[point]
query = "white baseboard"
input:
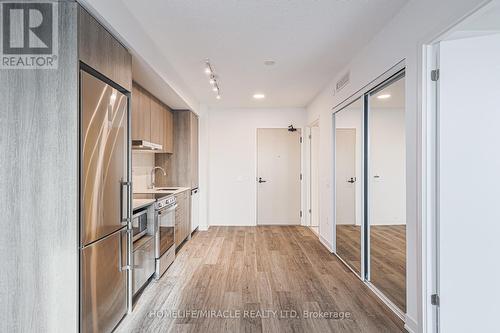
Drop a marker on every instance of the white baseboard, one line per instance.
(314, 231)
(410, 324)
(203, 228)
(326, 243)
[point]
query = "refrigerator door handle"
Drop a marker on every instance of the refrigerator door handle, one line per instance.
(125, 202)
(122, 267)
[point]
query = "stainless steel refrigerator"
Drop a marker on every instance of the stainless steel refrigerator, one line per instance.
(104, 204)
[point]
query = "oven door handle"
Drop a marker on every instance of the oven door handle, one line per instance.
(164, 211)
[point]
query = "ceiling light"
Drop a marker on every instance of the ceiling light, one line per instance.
(384, 96)
(269, 62)
(259, 96)
(209, 69)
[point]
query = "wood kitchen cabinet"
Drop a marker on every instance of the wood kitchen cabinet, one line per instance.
(102, 51)
(141, 114)
(169, 130)
(183, 163)
(182, 217)
(157, 122)
(152, 120)
(193, 118)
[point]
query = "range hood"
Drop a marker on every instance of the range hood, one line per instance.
(145, 145)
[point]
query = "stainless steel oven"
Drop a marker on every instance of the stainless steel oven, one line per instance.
(164, 234)
(139, 224)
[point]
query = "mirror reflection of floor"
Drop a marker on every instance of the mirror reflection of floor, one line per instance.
(348, 245)
(388, 257)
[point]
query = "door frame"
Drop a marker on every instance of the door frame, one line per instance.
(303, 195)
(428, 91)
(307, 179)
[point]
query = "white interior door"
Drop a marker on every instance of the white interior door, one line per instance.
(314, 176)
(278, 176)
(345, 164)
(469, 184)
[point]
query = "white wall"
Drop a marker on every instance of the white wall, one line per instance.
(232, 136)
(418, 22)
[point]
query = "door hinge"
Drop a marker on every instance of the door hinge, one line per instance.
(435, 75)
(300, 176)
(310, 211)
(300, 214)
(310, 136)
(300, 139)
(435, 299)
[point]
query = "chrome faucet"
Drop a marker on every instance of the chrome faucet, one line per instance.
(152, 185)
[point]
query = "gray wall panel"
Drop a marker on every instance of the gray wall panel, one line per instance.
(39, 191)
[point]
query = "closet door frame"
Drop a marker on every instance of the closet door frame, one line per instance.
(395, 73)
(367, 198)
(361, 275)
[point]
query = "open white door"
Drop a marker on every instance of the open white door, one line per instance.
(314, 178)
(278, 176)
(468, 183)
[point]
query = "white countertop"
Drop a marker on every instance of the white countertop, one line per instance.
(171, 190)
(140, 203)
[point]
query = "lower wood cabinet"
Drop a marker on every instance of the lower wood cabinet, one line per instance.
(182, 217)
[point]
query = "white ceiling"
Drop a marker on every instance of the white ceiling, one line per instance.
(485, 21)
(309, 40)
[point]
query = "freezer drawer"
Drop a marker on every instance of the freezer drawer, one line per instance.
(103, 283)
(144, 264)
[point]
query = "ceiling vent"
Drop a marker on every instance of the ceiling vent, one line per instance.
(344, 81)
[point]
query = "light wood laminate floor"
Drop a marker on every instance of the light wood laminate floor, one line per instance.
(237, 271)
(388, 257)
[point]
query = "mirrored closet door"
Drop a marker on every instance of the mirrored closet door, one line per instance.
(387, 190)
(348, 190)
(370, 187)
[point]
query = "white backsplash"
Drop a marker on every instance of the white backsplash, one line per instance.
(142, 163)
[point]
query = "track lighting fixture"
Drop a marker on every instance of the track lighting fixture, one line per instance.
(209, 70)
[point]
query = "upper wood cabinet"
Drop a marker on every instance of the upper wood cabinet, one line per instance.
(157, 123)
(152, 120)
(101, 51)
(141, 114)
(168, 147)
(183, 163)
